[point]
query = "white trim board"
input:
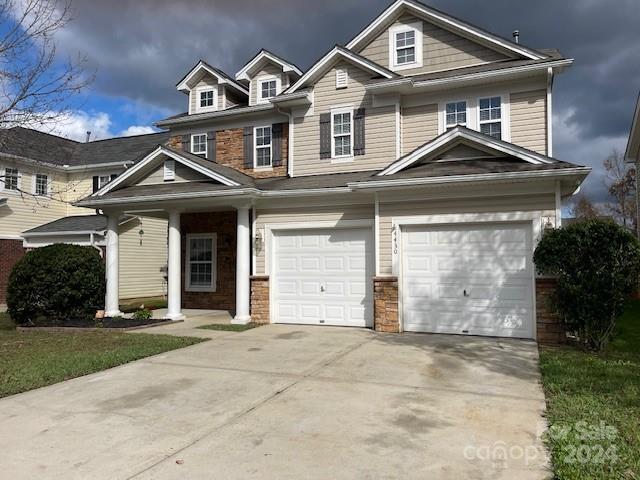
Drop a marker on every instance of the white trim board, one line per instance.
(286, 66)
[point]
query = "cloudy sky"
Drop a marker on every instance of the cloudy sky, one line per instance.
(141, 48)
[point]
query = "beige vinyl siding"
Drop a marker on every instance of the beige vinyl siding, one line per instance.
(268, 70)
(80, 185)
(307, 215)
(140, 264)
(419, 125)
(380, 126)
(529, 120)
(183, 174)
(24, 211)
(539, 202)
(441, 49)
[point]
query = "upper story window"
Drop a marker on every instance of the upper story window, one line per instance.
(405, 46)
(263, 155)
(199, 144)
(206, 99)
(267, 88)
(103, 180)
(490, 118)
(11, 179)
(40, 184)
(455, 114)
(341, 133)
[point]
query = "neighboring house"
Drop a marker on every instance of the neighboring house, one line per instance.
(42, 174)
(400, 183)
(632, 155)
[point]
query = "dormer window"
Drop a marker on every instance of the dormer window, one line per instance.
(405, 46)
(268, 88)
(206, 99)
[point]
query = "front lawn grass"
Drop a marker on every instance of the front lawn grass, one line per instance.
(31, 360)
(228, 327)
(602, 390)
(5, 322)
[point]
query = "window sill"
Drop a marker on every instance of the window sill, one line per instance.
(405, 66)
(263, 169)
(204, 110)
(338, 160)
(200, 290)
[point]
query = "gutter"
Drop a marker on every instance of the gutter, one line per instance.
(201, 117)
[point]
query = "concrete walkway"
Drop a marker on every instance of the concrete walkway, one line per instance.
(290, 402)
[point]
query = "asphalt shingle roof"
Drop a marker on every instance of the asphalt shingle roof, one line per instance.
(76, 223)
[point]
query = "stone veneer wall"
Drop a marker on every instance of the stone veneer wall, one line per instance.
(385, 304)
(224, 225)
(10, 252)
(260, 299)
(549, 330)
(230, 151)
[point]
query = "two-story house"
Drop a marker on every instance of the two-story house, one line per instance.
(41, 175)
(400, 183)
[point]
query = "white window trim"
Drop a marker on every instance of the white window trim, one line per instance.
(255, 150)
(481, 122)
(341, 158)
(205, 153)
(214, 261)
(263, 79)
(473, 113)
(33, 184)
(417, 28)
(205, 88)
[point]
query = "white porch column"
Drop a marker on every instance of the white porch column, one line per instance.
(112, 296)
(174, 288)
(243, 255)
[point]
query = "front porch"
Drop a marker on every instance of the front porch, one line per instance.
(208, 262)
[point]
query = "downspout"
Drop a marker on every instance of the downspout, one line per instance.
(93, 244)
(549, 112)
(289, 141)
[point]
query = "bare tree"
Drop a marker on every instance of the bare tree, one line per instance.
(621, 184)
(583, 208)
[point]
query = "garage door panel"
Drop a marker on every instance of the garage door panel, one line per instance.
(481, 283)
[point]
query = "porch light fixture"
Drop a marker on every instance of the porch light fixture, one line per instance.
(258, 240)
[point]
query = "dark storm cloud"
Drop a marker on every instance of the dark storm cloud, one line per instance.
(143, 47)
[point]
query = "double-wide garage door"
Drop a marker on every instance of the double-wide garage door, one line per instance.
(323, 277)
(468, 279)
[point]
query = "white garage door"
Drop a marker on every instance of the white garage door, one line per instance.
(471, 279)
(324, 277)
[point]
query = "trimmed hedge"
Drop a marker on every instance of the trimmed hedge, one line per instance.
(54, 283)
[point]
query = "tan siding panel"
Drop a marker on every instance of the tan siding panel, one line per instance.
(308, 215)
(442, 49)
(388, 211)
(529, 120)
(183, 174)
(419, 125)
(380, 125)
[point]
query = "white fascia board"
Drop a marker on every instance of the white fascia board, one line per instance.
(328, 58)
(469, 77)
(443, 19)
(243, 74)
(152, 156)
(471, 136)
(483, 177)
(632, 152)
(183, 85)
(207, 116)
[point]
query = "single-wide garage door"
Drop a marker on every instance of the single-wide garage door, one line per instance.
(470, 279)
(324, 277)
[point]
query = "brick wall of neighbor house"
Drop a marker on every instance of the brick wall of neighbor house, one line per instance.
(224, 225)
(260, 299)
(230, 151)
(549, 329)
(10, 252)
(385, 304)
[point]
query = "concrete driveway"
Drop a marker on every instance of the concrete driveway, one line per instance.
(290, 402)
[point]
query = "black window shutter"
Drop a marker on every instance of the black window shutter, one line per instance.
(358, 131)
(211, 146)
(248, 147)
(186, 143)
(276, 144)
(95, 184)
(113, 177)
(325, 135)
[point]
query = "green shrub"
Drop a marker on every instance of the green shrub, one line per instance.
(54, 283)
(597, 264)
(142, 315)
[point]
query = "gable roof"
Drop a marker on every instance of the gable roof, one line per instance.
(321, 66)
(632, 152)
(48, 149)
(224, 175)
(453, 137)
(222, 77)
(442, 19)
(246, 71)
